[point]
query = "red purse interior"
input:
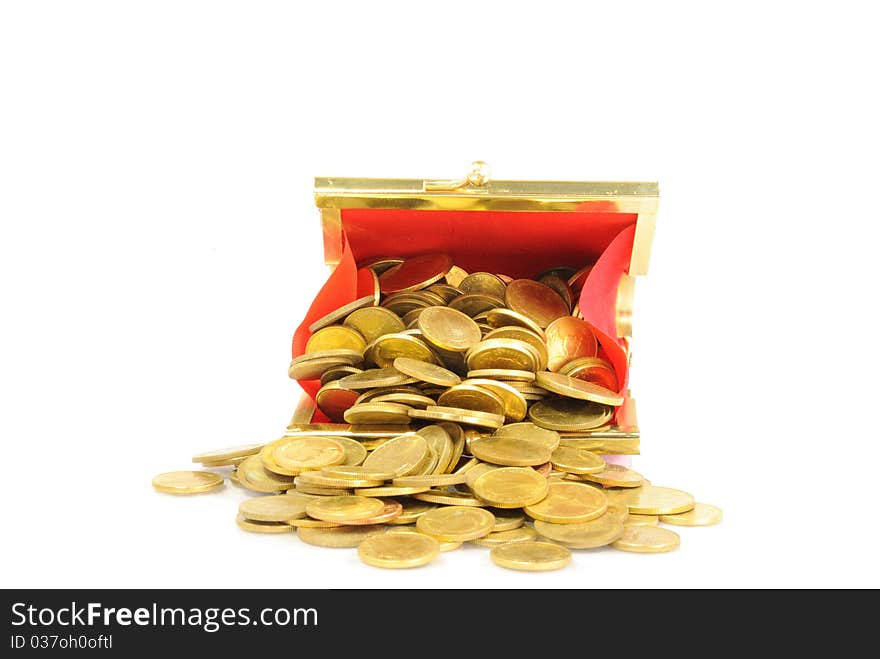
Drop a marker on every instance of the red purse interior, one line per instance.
(515, 243)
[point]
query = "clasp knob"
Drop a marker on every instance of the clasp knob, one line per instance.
(477, 176)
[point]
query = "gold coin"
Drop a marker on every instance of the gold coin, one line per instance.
(411, 529)
(408, 399)
(467, 466)
(333, 400)
(528, 388)
(515, 406)
(615, 476)
(473, 304)
(373, 322)
(342, 355)
(456, 523)
(415, 273)
(278, 508)
(616, 508)
(318, 479)
(412, 510)
(373, 444)
(509, 451)
(401, 456)
(426, 372)
(404, 304)
(472, 397)
(456, 434)
(449, 498)
(526, 336)
(559, 285)
(398, 550)
(502, 317)
(440, 445)
(255, 526)
(335, 337)
(344, 508)
(375, 377)
(371, 394)
(529, 432)
(355, 452)
(369, 413)
(311, 367)
(296, 454)
(339, 314)
(532, 556)
(566, 414)
(521, 534)
(391, 511)
(433, 299)
(432, 391)
(507, 520)
(410, 318)
(592, 369)
(253, 475)
(429, 480)
(446, 291)
(357, 432)
(374, 280)
(576, 280)
(381, 264)
(570, 387)
(508, 354)
(569, 338)
(545, 469)
(384, 350)
(267, 456)
(576, 461)
(232, 462)
(563, 271)
(223, 455)
(647, 540)
(458, 415)
(187, 482)
(337, 536)
(449, 329)
(502, 374)
(511, 487)
(392, 490)
(308, 522)
(318, 490)
(597, 532)
(478, 470)
(455, 276)
(584, 443)
(655, 500)
(569, 503)
(484, 283)
(355, 472)
(702, 514)
(535, 301)
(642, 520)
(372, 436)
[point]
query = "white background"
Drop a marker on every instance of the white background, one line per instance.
(160, 244)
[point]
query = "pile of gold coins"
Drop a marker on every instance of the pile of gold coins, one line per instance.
(464, 408)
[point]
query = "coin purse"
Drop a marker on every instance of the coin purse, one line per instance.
(516, 228)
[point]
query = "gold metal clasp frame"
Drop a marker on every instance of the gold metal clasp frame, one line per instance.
(477, 176)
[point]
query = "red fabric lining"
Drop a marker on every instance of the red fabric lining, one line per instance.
(519, 244)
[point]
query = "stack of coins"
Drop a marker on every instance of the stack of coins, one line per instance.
(465, 408)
